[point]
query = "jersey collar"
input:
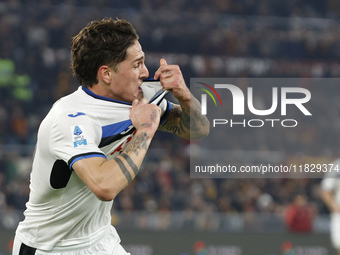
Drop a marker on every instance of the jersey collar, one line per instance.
(90, 93)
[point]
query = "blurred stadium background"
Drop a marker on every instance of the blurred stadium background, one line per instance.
(165, 211)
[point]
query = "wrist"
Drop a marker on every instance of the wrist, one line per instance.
(184, 99)
(149, 128)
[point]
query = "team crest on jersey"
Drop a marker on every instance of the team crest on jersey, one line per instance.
(78, 134)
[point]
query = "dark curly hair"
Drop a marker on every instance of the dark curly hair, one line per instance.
(101, 42)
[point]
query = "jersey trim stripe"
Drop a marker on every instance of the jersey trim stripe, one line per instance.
(166, 113)
(114, 132)
(158, 97)
(116, 128)
(84, 155)
(89, 92)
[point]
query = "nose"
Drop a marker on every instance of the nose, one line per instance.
(144, 72)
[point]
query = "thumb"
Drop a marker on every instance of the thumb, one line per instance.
(163, 62)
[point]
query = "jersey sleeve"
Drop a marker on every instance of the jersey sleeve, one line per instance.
(165, 108)
(73, 137)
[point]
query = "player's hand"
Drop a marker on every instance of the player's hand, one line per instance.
(172, 79)
(145, 115)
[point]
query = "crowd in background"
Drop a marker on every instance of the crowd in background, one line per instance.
(295, 38)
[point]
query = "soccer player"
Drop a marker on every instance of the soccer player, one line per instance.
(92, 142)
(330, 193)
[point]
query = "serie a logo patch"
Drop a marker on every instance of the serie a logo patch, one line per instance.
(78, 134)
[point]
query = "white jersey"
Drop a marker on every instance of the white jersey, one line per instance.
(62, 210)
(331, 180)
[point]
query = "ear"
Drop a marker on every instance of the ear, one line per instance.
(105, 74)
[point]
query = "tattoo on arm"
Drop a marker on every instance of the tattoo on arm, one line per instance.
(146, 125)
(197, 117)
(124, 169)
(182, 126)
(169, 126)
(130, 162)
(153, 119)
(188, 121)
(153, 116)
(185, 120)
(140, 141)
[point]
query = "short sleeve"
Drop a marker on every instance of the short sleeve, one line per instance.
(75, 136)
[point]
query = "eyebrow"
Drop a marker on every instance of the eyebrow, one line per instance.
(139, 59)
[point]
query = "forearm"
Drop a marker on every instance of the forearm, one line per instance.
(185, 120)
(131, 158)
(196, 124)
(106, 178)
